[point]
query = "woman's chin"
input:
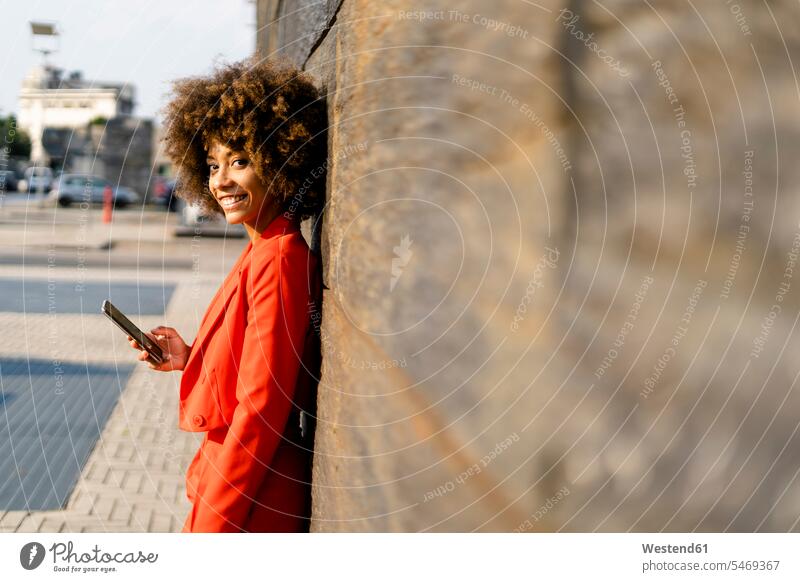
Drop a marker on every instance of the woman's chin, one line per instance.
(234, 217)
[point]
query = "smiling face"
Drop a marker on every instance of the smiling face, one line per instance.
(238, 190)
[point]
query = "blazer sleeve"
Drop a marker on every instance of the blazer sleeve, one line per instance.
(277, 321)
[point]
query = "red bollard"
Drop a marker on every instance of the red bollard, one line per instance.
(108, 204)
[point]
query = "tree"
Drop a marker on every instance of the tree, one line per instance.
(16, 140)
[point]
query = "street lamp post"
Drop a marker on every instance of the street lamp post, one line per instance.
(44, 40)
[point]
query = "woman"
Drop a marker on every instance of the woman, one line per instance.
(248, 141)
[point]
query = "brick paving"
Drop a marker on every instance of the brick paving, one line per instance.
(133, 481)
(134, 478)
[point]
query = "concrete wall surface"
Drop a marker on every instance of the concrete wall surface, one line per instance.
(559, 249)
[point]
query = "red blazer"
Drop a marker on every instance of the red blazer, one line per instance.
(250, 366)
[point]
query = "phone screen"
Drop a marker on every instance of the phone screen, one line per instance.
(128, 327)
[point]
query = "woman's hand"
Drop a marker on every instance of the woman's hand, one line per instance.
(175, 350)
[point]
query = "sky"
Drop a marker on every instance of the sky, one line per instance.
(145, 43)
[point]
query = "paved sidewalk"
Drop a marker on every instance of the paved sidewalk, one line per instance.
(134, 477)
(133, 480)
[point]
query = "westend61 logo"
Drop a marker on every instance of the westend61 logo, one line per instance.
(65, 559)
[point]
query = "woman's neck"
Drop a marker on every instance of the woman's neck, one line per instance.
(265, 218)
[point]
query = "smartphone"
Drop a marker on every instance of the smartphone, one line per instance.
(126, 325)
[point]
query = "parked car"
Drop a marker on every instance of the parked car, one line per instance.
(77, 188)
(194, 221)
(164, 193)
(37, 179)
(8, 181)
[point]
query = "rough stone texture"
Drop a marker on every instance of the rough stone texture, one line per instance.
(302, 22)
(475, 380)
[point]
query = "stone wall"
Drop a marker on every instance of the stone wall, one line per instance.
(559, 254)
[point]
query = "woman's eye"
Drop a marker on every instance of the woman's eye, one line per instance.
(212, 167)
(240, 162)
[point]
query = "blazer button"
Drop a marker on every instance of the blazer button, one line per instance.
(199, 420)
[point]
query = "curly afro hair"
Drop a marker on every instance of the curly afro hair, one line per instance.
(266, 108)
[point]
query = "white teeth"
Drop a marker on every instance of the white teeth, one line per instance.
(231, 200)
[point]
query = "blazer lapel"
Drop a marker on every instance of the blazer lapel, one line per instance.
(218, 306)
(220, 301)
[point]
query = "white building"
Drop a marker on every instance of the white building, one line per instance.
(48, 99)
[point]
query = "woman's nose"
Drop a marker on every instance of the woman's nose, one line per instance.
(221, 178)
